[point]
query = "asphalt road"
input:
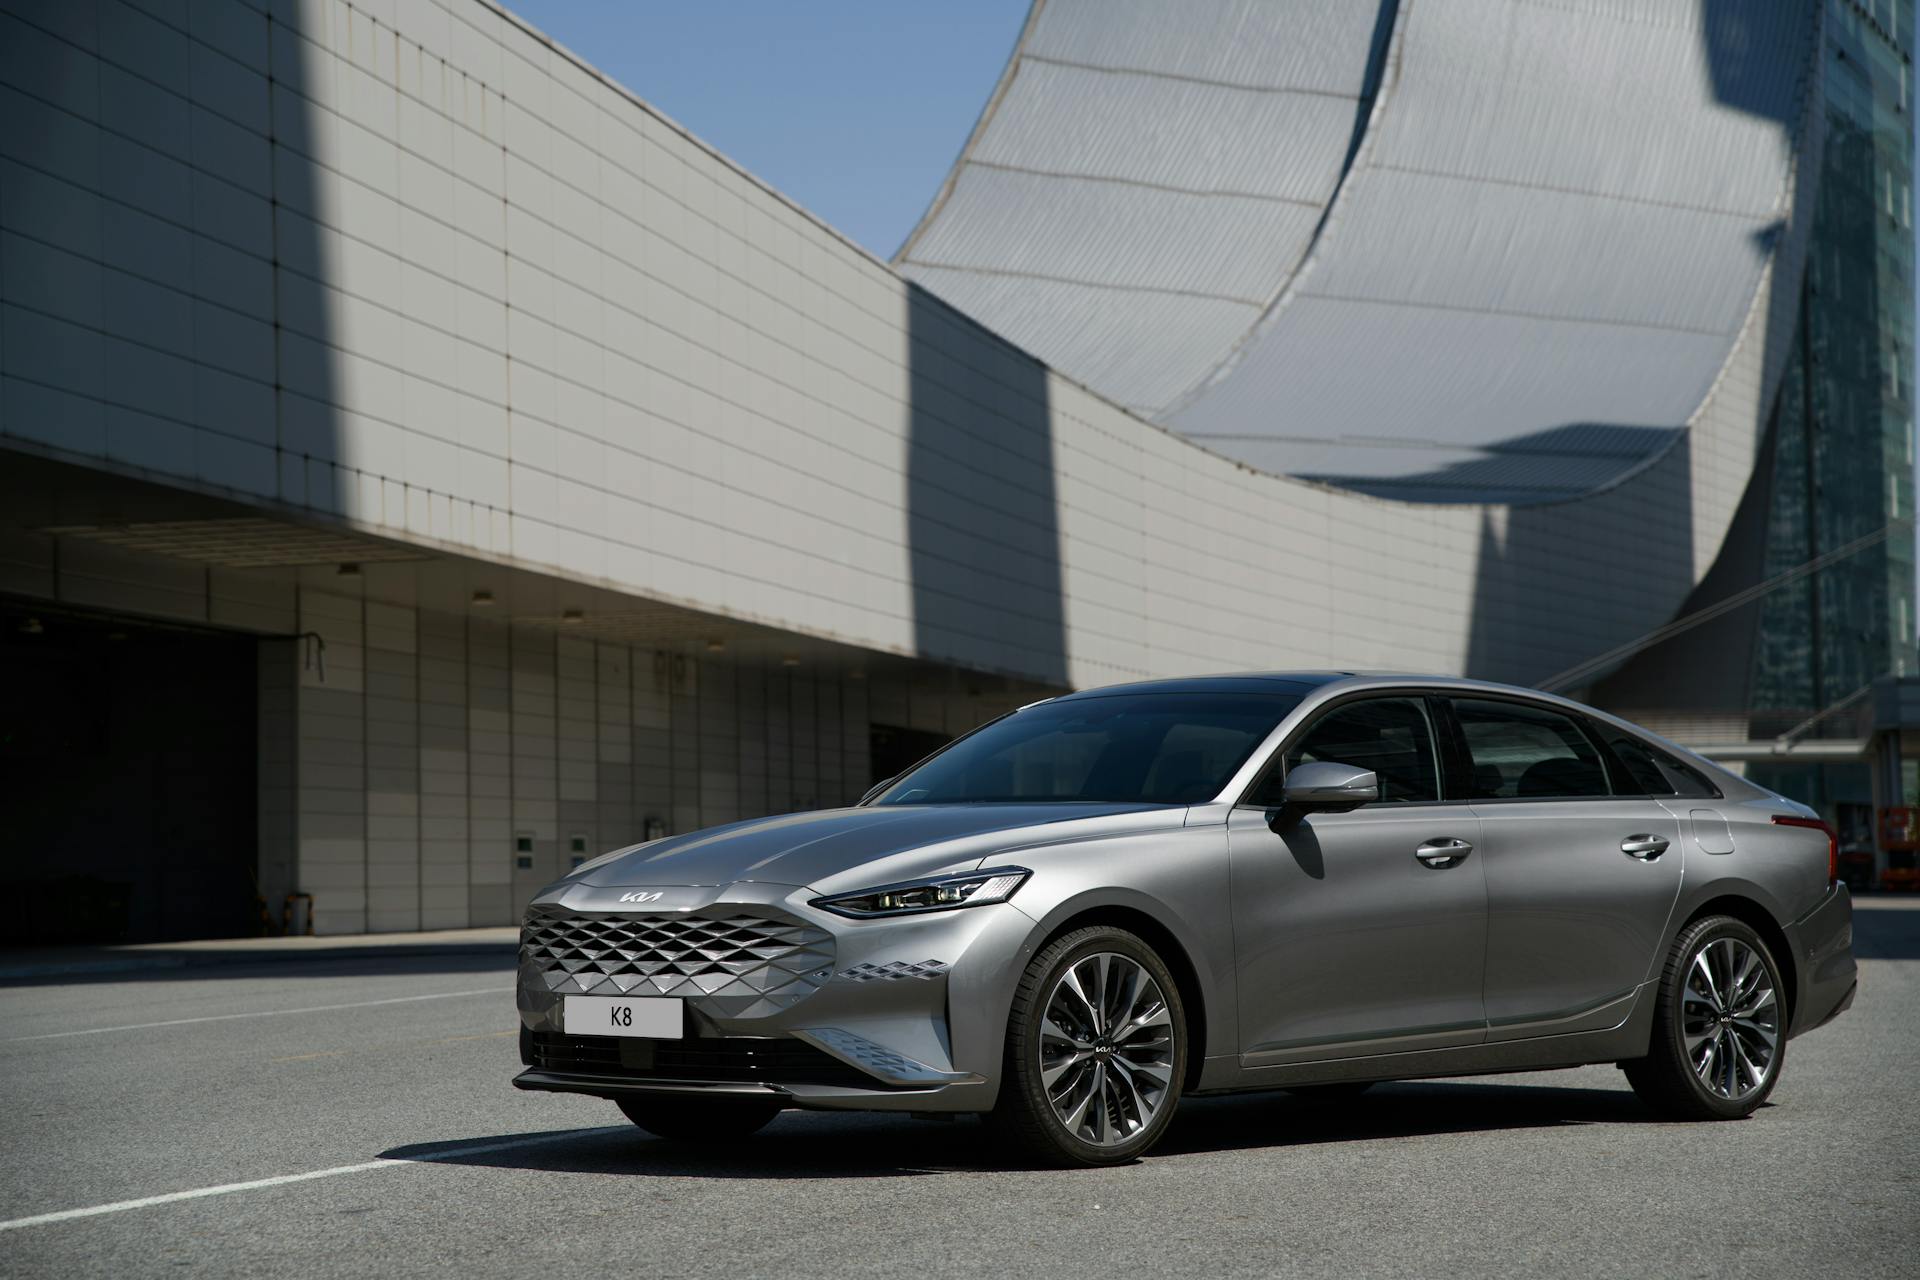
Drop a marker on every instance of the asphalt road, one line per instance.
(385, 1079)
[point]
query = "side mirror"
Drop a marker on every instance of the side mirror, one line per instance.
(1327, 786)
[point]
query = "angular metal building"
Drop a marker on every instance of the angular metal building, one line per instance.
(1533, 265)
(1632, 280)
(423, 464)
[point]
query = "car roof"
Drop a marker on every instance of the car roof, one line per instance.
(1304, 682)
(1316, 687)
(1232, 682)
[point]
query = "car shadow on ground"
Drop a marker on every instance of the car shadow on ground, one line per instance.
(871, 1145)
(1408, 1110)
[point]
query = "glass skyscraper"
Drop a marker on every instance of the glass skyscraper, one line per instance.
(1842, 471)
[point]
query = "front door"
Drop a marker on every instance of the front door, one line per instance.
(1349, 939)
(1581, 874)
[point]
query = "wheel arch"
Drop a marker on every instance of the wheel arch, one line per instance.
(1167, 945)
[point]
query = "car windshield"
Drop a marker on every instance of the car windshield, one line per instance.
(1146, 748)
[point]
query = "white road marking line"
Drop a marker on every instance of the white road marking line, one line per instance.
(262, 1013)
(121, 1206)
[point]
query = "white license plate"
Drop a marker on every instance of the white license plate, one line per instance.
(654, 1017)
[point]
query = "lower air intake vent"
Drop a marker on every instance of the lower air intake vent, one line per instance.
(728, 1061)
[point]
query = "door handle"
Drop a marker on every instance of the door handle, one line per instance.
(1444, 852)
(1644, 847)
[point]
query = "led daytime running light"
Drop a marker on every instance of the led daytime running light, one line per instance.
(940, 893)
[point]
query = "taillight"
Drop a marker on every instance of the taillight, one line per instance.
(1833, 840)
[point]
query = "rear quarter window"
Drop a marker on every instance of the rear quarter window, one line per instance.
(1654, 771)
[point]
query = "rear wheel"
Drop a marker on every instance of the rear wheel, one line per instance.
(1096, 1051)
(698, 1119)
(1719, 1026)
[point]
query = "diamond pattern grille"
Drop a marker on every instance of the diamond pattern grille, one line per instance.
(739, 966)
(925, 970)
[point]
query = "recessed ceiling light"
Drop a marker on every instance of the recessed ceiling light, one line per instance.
(716, 645)
(789, 661)
(573, 615)
(483, 597)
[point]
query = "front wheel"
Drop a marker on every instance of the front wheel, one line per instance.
(697, 1119)
(1096, 1051)
(1719, 1026)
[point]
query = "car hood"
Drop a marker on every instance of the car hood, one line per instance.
(842, 849)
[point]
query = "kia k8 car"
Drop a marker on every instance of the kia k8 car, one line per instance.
(1081, 912)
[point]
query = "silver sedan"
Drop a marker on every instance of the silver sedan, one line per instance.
(1078, 913)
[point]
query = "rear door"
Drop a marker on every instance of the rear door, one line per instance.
(1347, 941)
(1582, 868)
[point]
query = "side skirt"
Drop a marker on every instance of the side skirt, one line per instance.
(1618, 1043)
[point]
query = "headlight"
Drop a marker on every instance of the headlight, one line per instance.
(941, 893)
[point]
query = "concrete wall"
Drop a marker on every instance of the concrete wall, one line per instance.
(449, 768)
(409, 268)
(400, 767)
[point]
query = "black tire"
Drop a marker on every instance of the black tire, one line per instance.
(698, 1119)
(1667, 1078)
(1333, 1091)
(1025, 1119)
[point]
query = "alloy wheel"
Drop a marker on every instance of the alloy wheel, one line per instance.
(1730, 1018)
(1106, 1048)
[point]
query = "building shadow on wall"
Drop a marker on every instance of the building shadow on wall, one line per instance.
(1708, 667)
(173, 155)
(1549, 559)
(1543, 560)
(1377, 49)
(161, 184)
(1553, 465)
(1752, 56)
(982, 507)
(314, 463)
(1539, 577)
(311, 452)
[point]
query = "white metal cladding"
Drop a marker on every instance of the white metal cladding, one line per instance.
(458, 292)
(1139, 156)
(1119, 236)
(1139, 355)
(1533, 276)
(1301, 46)
(1059, 118)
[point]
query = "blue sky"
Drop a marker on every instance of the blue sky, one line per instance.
(853, 108)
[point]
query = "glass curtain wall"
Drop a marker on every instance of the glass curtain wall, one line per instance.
(1843, 461)
(1843, 448)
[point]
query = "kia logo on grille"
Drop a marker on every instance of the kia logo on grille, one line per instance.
(642, 896)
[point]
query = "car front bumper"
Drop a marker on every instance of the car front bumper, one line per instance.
(899, 1013)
